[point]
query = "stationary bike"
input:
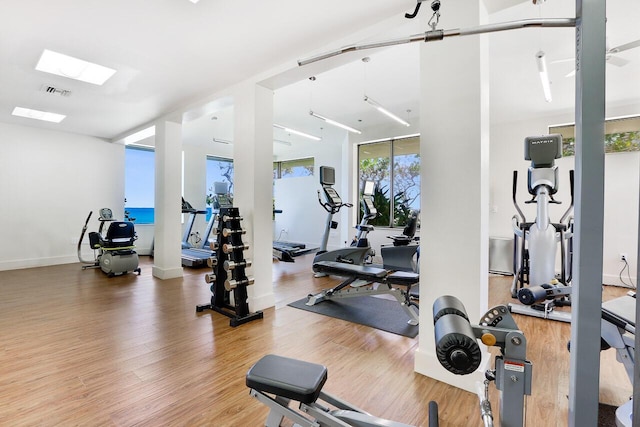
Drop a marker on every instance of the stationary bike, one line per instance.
(114, 252)
(536, 243)
(359, 249)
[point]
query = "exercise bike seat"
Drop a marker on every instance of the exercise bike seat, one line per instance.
(290, 378)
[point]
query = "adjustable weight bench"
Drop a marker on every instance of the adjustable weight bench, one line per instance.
(299, 381)
(377, 281)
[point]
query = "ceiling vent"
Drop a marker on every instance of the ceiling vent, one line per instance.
(55, 91)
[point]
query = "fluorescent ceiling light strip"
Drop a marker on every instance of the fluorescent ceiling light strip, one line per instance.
(73, 68)
(140, 135)
(334, 123)
(296, 132)
(38, 115)
(385, 111)
(413, 135)
(544, 75)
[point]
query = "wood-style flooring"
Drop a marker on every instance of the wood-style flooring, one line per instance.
(81, 349)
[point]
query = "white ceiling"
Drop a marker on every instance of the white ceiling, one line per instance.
(170, 53)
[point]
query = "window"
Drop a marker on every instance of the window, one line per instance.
(621, 135)
(394, 167)
(218, 170)
(293, 168)
(139, 185)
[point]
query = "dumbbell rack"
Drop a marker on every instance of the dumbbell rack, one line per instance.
(229, 271)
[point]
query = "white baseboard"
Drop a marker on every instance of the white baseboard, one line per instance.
(262, 302)
(37, 262)
(169, 273)
(614, 280)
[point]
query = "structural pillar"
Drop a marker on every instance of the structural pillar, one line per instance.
(253, 184)
(167, 263)
(586, 298)
(454, 153)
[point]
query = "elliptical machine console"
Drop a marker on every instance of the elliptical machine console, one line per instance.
(360, 249)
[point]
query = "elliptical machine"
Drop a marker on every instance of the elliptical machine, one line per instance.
(359, 249)
(535, 243)
(114, 253)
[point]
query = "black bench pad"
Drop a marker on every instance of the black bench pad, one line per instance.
(343, 269)
(366, 272)
(291, 378)
(405, 278)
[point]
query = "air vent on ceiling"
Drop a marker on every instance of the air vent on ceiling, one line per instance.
(55, 91)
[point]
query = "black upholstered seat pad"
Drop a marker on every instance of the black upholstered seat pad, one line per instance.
(290, 378)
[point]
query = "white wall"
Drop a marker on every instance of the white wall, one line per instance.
(621, 189)
(302, 216)
(49, 181)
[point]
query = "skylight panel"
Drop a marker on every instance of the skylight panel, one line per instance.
(73, 68)
(38, 115)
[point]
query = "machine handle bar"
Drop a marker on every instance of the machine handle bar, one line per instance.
(513, 193)
(332, 209)
(570, 208)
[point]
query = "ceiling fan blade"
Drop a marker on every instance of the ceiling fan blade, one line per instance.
(619, 62)
(625, 46)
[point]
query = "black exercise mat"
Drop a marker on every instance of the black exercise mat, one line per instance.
(606, 415)
(386, 315)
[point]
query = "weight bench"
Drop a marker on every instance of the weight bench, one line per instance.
(299, 381)
(618, 331)
(364, 280)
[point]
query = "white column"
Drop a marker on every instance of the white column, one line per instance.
(454, 152)
(253, 185)
(167, 262)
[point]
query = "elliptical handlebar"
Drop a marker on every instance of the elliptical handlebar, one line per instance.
(515, 202)
(332, 208)
(570, 208)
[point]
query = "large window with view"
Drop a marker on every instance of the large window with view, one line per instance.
(293, 168)
(621, 135)
(218, 170)
(394, 166)
(139, 184)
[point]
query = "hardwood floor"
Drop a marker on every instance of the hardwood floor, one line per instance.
(82, 349)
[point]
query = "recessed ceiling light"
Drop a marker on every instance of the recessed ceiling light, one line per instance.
(38, 115)
(73, 68)
(194, 1)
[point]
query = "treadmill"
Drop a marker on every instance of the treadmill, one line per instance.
(196, 256)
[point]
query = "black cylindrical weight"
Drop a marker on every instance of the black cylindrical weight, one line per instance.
(448, 304)
(226, 232)
(532, 294)
(456, 346)
(230, 265)
(212, 262)
(232, 284)
(213, 245)
(210, 278)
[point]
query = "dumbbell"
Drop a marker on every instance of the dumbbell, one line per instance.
(227, 248)
(226, 232)
(232, 284)
(230, 265)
